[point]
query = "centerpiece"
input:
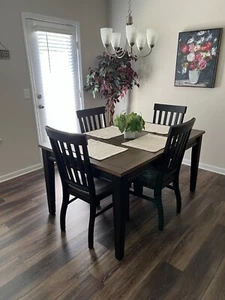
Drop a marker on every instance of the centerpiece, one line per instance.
(129, 124)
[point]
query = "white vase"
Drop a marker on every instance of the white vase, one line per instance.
(128, 135)
(194, 76)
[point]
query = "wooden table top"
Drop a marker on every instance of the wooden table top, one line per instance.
(128, 161)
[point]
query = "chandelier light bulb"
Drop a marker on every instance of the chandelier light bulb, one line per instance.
(106, 36)
(151, 38)
(115, 40)
(131, 34)
(141, 41)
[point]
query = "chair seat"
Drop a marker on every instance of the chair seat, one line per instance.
(149, 177)
(103, 187)
(155, 175)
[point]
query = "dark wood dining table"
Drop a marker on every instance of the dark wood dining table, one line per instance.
(120, 169)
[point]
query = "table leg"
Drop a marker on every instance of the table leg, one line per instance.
(195, 154)
(49, 172)
(120, 198)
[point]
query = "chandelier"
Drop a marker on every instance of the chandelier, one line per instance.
(133, 37)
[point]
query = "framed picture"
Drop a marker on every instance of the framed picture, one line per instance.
(197, 58)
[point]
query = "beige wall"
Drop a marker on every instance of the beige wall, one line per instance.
(19, 146)
(157, 70)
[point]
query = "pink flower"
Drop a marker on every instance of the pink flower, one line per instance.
(202, 64)
(192, 48)
(192, 66)
(184, 48)
(198, 57)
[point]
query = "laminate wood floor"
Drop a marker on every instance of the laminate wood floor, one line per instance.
(185, 261)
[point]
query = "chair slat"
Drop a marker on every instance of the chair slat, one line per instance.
(73, 164)
(66, 162)
(165, 118)
(90, 123)
(86, 128)
(94, 122)
(176, 118)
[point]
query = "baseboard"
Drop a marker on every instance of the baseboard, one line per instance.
(205, 167)
(20, 172)
(39, 166)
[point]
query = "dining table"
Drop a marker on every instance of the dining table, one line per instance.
(121, 169)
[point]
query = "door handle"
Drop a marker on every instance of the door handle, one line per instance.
(41, 106)
(39, 96)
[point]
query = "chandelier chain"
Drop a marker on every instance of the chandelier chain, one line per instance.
(129, 7)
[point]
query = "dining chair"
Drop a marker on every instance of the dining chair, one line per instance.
(166, 114)
(72, 158)
(91, 118)
(167, 169)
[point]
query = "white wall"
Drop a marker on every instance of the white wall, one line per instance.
(157, 71)
(19, 146)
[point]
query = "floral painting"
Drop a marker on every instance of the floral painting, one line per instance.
(197, 58)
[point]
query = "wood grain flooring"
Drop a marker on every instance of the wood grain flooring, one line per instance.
(185, 261)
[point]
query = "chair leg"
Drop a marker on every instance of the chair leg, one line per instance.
(158, 200)
(65, 203)
(91, 226)
(177, 193)
(138, 188)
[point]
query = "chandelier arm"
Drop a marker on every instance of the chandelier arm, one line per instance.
(120, 56)
(147, 54)
(116, 53)
(108, 53)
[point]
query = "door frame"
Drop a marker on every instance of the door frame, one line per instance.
(38, 17)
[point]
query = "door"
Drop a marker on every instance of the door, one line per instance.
(55, 68)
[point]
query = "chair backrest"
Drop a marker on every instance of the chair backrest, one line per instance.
(166, 114)
(91, 118)
(71, 154)
(176, 145)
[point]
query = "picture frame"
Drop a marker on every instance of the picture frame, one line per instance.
(197, 58)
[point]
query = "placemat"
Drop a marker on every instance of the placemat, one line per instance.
(149, 142)
(156, 128)
(100, 150)
(105, 133)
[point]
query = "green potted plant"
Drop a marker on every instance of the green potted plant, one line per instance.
(129, 124)
(112, 78)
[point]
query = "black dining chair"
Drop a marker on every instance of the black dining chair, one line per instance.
(166, 114)
(91, 118)
(71, 154)
(167, 169)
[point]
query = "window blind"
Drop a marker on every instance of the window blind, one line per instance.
(60, 88)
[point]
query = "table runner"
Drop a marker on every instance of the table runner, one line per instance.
(156, 128)
(149, 142)
(105, 133)
(100, 150)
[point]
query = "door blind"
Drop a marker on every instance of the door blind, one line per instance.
(58, 75)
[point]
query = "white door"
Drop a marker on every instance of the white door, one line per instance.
(55, 69)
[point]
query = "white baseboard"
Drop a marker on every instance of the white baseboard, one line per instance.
(20, 172)
(39, 166)
(205, 167)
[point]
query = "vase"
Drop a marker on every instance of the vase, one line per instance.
(194, 76)
(129, 135)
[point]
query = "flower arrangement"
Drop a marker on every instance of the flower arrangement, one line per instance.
(198, 51)
(112, 79)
